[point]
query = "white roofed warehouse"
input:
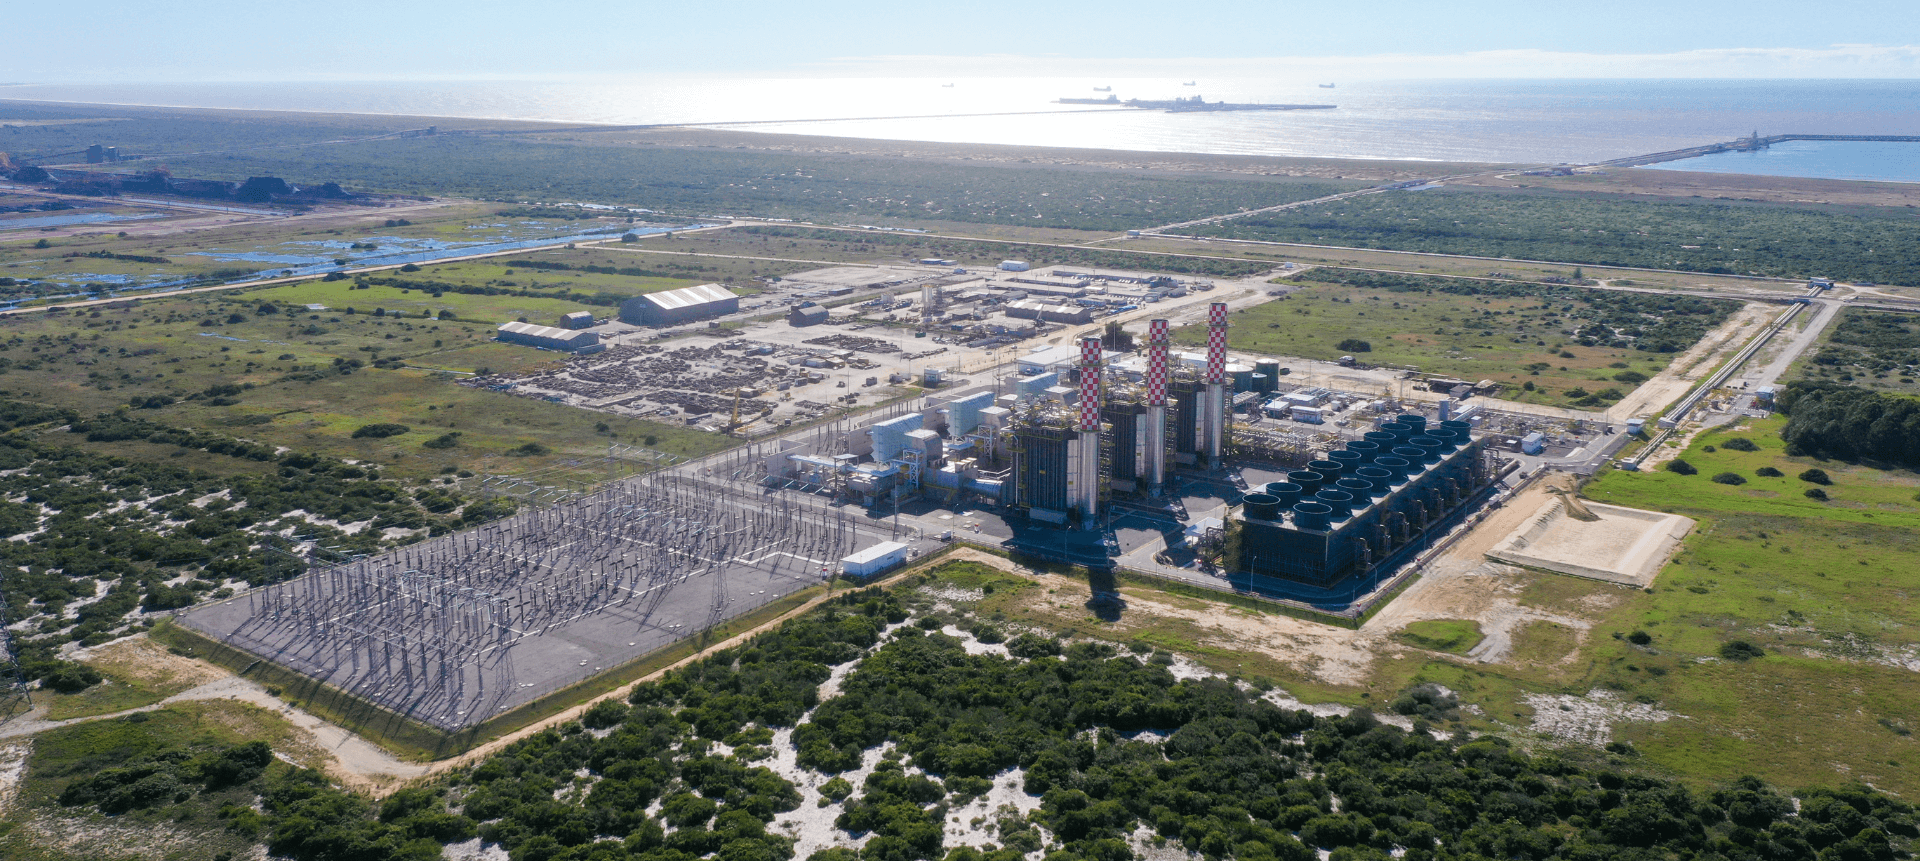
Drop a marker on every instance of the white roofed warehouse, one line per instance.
(550, 338)
(669, 307)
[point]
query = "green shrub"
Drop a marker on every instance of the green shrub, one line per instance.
(1816, 493)
(1740, 443)
(1354, 345)
(1033, 646)
(379, 430)
(1729, 478)
(1682, 467)
(1817, 476)
(1740, 650)
(71, 678)
(1768, 472)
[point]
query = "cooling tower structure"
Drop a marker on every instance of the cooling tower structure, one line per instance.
(1085, 489)
(1214, 415)
(1154, 430)
(1358, 509)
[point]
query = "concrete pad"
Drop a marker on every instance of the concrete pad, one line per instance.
(1625, 545)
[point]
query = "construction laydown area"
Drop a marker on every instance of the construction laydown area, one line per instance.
(1589, 539)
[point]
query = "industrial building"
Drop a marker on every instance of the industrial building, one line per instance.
(671, 307)
(874, 560)
(808, 314)
(577, 320)
(550, 338)
(1049, 312)
(1375, 502)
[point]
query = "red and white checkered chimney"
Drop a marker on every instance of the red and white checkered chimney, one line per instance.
(1089, 384)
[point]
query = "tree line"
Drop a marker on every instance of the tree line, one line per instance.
(1832, 420)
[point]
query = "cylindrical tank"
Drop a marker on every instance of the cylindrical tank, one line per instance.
(1339, 500)
(1448, 439)
(1464, 429)
(1380, 438)
(1286, 491)
(1271, 369)
(1366, 449)
(1262, 382)
(1262, 506)
(1243, 380)
(1414, 455)
(1308, 481)
(1395, 464)
(1429, 445)
(1417, 422)
(1381, 477)
(1312, 515)
(1348, 460)
(1399, 432)
(1329, 468)
(1361, 489)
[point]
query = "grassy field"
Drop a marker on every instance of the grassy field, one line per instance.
(1734, 238)
(1515, 340)
(1822, 588)
(98, 360)
(137, 672)
(191, 830)
(1442, 635)
(862, 246)
(1866, 348)
(1435, 264)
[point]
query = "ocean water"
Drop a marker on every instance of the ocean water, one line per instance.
(1539, 121)
(1870, 160)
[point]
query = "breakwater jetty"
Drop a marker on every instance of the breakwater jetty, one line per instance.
(1750, 143)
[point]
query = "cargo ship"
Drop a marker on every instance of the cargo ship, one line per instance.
(1110, 100)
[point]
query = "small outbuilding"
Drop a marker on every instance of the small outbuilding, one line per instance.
(807, 315)
(874, 560)
(577, 320)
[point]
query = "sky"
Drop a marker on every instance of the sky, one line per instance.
(223, 40)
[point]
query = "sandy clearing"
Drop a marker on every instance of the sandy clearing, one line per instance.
(13, 767)
(1697, 362)
(1587, 720)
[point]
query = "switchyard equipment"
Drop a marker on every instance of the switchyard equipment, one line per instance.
(1374, 503)
(457, 629)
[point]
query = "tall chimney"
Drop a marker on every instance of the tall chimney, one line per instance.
(1153, 436)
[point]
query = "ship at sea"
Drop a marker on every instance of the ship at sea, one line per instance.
(1326, 86)
(1191, 104)
(1103, 89)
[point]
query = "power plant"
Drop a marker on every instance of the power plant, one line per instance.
(1059, 445)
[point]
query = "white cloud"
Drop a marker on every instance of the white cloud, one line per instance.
(1838, 61)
